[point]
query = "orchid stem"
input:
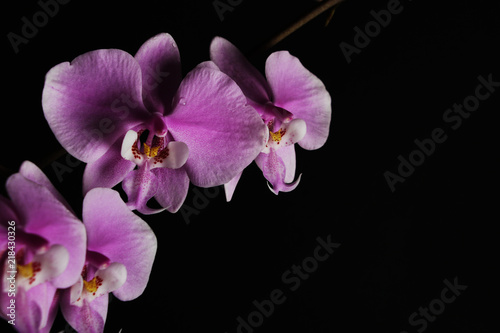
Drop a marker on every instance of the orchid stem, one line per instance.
(324, 6)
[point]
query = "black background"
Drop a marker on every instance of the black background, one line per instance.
(397, 247)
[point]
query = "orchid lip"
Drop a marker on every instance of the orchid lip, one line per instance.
(42, 267)
(102, 282)
(287, 134)
(157, 151)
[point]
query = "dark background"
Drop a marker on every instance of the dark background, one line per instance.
(397, 247)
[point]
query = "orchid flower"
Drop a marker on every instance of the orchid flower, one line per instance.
(133, 119)
(121, 249)
(42, 248)
(293, 103)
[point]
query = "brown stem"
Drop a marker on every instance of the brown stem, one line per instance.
(324, 6)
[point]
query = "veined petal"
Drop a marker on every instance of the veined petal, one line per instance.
(224, 134)
(233, 63)
(93, 100)
(161, 72)
(116, 232)
(173, 185)
(287, 155)
(43, 215)
(274, 170)
(140, 186)
(108, 170)
(87, 318)
(32, 172)
(299, 91)
(36, 309)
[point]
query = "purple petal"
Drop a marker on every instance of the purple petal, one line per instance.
(114, 231)
(108, 170)
(92, 101)
(43, 215)
(7, 214)
(287, 155)
(223, 133)
(87, 318)
(173, 185)
(275, 170)
(232, 62)
(30, 171)
(161, 72)
(230, 186)
(303, 94)
(36, 309)
(140, 185)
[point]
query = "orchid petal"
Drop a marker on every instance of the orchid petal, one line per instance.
(108, 170)
(92, 101)
(32, 172)
(176, 155)
(75, 291)
(274, 170)
(230, 186)
(224, 134)
(127, 148)
(44, 267)
(43, 215)
(208, 64)
(173, 185)
(232, 62)
(87, 318)
(7, 214)
(299, 91)
(36, 309)
(140, 185)
(116, 232)
(161, 72)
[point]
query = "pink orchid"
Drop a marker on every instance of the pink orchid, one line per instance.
(133, 119)
(121, 249)
(294, 104)
(42, 248)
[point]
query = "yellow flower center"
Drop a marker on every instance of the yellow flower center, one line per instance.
(25, 270)
(276, 136)
(151, 152)
(92, 285)
(29, 271)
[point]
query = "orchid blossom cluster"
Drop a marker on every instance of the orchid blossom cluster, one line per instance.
(136, 121)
